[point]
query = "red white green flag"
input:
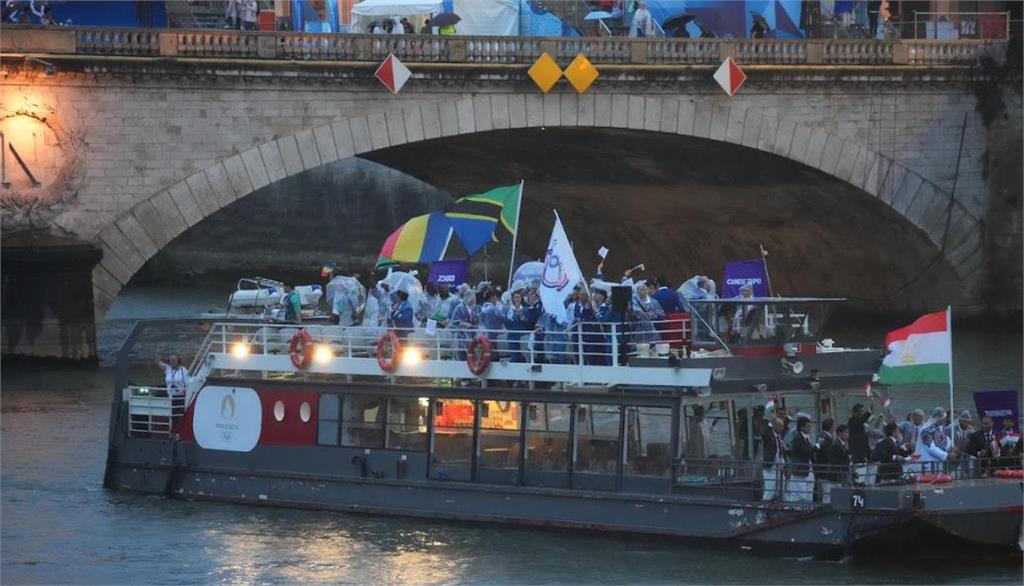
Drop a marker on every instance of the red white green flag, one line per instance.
(919, 353)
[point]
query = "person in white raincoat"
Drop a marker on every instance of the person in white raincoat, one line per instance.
(645, 310)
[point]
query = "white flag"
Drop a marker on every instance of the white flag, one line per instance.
(561, 273)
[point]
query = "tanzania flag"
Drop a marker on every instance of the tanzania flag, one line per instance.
(328, 269)
(920, 352)
(420, 240)
(485, 217)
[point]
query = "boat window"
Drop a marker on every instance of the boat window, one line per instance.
(597, 438)
(279, 411)
(648, 441)
(453, 439)
(327, 426)
(362, 422)
(499, 434)
(305, 412)
(547, 436)
(706, 430)
(407, 423)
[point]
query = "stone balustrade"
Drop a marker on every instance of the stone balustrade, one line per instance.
(486, 50)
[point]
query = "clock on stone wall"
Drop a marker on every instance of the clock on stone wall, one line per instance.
(40, 168)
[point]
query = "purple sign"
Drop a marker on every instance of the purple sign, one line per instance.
(741, 272)
(449, 272)
(997, 405)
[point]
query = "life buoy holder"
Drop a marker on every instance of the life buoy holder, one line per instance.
(929, 478)
(298, 349)
(1010, 474)
(478, 366)
(389, 364)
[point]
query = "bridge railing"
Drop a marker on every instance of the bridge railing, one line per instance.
(209, 43)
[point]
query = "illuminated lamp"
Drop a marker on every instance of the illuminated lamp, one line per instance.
(240, 350)
(322, 354)
(411, 356)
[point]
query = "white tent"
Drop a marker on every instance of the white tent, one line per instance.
(368, 10)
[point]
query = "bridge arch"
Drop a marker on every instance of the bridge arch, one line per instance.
(138, 234)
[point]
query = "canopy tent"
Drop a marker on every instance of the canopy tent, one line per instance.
(368, 10)
(487, 17)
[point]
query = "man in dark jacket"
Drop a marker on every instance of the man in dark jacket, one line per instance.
(825, 441)
(982, 445)
(860, 449)
(890, 454)
(839, 459)
(801, 487)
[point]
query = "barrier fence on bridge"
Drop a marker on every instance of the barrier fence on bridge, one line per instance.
(487, 50)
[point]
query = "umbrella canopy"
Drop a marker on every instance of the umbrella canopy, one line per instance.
(598, 15)
(677, 21)
(396, 7)
(530, 272)
(402, 281)
(446, 19)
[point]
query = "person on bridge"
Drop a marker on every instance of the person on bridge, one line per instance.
(643, 22)
(247, 10)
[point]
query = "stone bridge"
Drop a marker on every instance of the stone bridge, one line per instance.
(134, 137)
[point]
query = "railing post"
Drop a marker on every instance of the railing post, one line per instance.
(726, 49)
(266, 46)
(638, 51)
(815, 52)
(168, 44)
(615, 345)
(901, 54)
(457, 50)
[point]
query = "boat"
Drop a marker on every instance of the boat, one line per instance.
(592, 434)
(262, 298)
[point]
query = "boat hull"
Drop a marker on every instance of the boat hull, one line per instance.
(308, 478)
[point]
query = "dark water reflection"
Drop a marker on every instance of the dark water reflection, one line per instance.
(59, 525)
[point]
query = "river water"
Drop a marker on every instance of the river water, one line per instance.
(59, 525)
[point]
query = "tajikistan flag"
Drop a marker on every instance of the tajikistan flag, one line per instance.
(920, 352)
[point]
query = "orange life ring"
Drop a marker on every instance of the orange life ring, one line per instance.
(1013, 474)
(933, 478)
(478, 367)
(389, 365)
(297, 349)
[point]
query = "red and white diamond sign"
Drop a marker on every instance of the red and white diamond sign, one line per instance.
(730, 76)
(393, 74)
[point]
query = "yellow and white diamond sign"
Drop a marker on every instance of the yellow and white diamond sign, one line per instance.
(581, 73)
(545, 72)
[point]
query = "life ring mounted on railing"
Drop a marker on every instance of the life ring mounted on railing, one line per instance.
(1010, 474)
(478, 366)
(300, 349)
(389, 364)
(932, 478)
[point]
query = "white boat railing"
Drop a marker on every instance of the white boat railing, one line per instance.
(151, 412)
(585, 353)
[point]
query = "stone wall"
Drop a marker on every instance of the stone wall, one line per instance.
(166, 144)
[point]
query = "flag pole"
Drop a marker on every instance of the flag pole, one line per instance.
(767, 275)
(515, 235)
(949, 328)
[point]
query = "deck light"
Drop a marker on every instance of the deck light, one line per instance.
(411, 356)
(240, 350)
(322, 354)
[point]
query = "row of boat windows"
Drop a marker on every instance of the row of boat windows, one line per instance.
(593, 437)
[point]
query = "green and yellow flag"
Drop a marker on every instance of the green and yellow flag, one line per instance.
(486, 217)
